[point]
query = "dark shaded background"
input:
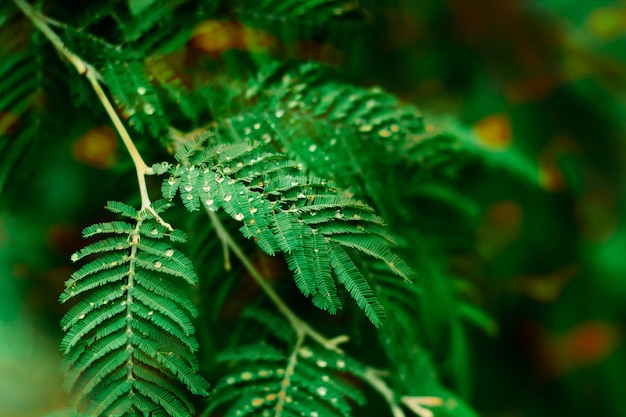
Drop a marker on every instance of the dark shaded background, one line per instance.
(545, 77)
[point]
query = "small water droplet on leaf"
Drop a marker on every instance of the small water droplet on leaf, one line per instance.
(148, 108)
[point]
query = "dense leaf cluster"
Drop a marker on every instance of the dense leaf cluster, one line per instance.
(309, 167)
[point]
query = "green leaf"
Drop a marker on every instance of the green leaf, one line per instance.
(129, 341)
(285, 210)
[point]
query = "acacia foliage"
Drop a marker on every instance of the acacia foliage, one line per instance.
(298, 162)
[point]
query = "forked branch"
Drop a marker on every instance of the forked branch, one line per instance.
(372, 377)
(301, 327)
(94, 78)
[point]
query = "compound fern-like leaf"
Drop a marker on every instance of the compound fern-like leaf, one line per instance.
(364, 138)
(130, 347)
(318, 227)
(291, 380)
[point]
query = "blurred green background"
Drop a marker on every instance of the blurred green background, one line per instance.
(546, 78)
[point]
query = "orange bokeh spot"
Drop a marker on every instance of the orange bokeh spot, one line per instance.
(597, 214)
(501, 225)
(308, 49)
(8, 123)
(550, 178)
(257, 40)
(216, 36)
(592, 342)
(505, 214)
(97, 147)
(557, 354)
(65, 237)
(494, 132)
(550, 175)
(532, 88)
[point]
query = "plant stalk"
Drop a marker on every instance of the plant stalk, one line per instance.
(300, 326)
(92, 75)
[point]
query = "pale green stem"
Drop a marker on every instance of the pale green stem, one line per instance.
(301, 328)
(299, 325)
(372, 376)
(92, 75)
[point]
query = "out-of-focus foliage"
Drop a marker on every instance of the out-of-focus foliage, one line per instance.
(517, 240)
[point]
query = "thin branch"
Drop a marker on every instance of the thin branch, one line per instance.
(227, 265)
(140, 165)
(416, 404)
(373, 377)
(92, 75)
(300, 326)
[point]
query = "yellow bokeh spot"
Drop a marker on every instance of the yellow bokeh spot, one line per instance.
(494, 132)
(216, 36)
(257, 402)
(384, 133)
(257, 40)
(607, 22)
(97, 147)
(546, 288)
(550, 178)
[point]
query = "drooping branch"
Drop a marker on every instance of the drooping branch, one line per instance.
(300, 326)
(93, 76)
(372, 377)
